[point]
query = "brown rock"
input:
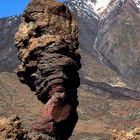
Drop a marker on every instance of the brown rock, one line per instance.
(123, 135)
(47, 40)
(11, 129)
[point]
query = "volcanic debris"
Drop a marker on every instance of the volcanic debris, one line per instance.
(11, 129)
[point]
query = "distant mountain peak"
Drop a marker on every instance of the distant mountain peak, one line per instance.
(97, 8)
(100, 5)
(137, 2)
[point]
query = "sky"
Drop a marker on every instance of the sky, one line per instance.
(13, 7)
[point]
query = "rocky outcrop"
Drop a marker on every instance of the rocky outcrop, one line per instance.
(11, 129)
(123, 135)
(47, 40)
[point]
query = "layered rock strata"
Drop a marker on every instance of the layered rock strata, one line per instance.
(47, 41)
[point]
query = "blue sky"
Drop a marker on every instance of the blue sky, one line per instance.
(13, 7)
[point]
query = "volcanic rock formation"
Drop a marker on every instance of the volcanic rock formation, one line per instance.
(11, 129)
(47, 41)
(123, 135)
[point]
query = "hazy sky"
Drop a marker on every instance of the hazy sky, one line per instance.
(13, 7)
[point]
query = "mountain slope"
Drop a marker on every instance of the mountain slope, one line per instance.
(8, 58)
(118, 42)
(89, 25)
(16, 98)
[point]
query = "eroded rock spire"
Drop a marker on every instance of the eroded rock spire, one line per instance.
(47, 40)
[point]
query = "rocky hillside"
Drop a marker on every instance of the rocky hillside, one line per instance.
(109, 93)
(118, 41)
(118, 22)
(8, 57)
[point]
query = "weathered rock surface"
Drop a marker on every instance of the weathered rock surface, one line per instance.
(47, 40)
(11, 129)
(123, 135)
